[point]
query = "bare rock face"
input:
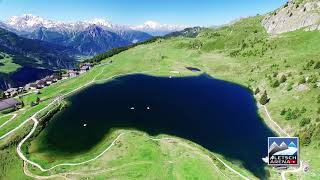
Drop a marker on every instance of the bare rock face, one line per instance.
(294, 16)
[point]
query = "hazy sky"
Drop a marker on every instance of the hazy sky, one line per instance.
(188, 12)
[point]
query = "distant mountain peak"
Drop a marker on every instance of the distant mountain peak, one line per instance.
(151, 24)
(94, 30)
(101, 22)
(29, 23)
(156, 28)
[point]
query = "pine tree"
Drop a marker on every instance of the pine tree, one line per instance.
(317, 65)
(283, 79)
(275, 84)
(257, 91)
(264, 98)
(38, 100)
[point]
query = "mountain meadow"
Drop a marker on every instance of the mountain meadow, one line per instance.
(281, 70)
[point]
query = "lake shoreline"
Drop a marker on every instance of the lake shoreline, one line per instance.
(143, 131)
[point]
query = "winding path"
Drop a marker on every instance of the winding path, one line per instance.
(13, 116)
(283, 177)
(270, 119)
(16, 128)
(93, 159)
(283, 173)
(58, 99)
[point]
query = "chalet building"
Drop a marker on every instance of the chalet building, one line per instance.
(86, 67)
(11, 92)
(33, 86)
(72, 73)
(64, 76)
(40, 84)
(27, 87)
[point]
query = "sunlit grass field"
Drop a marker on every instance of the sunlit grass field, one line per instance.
(242, 53)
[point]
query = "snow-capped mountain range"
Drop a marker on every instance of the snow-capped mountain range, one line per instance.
(87, 37)
(157, 29)
(29, 23)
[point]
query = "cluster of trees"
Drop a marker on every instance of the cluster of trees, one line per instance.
(276, 83)
(308, 134)
(96, 59)
(291, 114)
(195, 44)
(304, 121)
(312, 64)
(302, 80)
(317, 65)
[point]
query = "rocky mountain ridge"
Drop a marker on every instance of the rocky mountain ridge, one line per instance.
(88, 37)
(295, 14)
(30, 23)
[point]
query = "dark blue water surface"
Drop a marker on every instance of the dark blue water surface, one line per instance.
(218, 115)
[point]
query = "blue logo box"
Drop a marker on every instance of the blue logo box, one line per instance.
(283, 151)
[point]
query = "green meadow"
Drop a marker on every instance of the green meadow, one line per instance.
(7, 65)
(286, 67)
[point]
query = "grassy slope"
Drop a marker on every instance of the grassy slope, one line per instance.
(242, 53)
(4, 119)
(7, 66)
(136, 156)
(123, 66)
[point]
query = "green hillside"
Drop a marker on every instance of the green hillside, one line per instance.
(6, 64)
(286, 67)
(34, 53)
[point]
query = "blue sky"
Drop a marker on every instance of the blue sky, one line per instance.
(133, 12)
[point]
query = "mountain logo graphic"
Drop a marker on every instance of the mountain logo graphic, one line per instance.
(283, 151)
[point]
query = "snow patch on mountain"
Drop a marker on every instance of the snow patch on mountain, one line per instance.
(156, 29)
(29, 23)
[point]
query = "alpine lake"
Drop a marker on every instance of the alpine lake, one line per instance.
(220, 116)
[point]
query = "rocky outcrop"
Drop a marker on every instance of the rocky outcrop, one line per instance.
(293, 16)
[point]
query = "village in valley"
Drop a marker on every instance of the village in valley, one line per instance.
(9, 96)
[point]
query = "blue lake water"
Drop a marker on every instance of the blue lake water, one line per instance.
(220, 116)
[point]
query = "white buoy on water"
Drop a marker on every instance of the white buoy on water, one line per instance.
(132, 108)
(84, 125)
(148, 107)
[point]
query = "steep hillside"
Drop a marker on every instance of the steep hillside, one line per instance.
(103, 40)
(18, 53)
(295, 14)
(286, 68)
(95, 40)
(188, 32)
(71, 34)
(37, 53)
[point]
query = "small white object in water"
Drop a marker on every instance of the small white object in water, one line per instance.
(84, 125)
(148, 107)
(132, 108)
(170, 76)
